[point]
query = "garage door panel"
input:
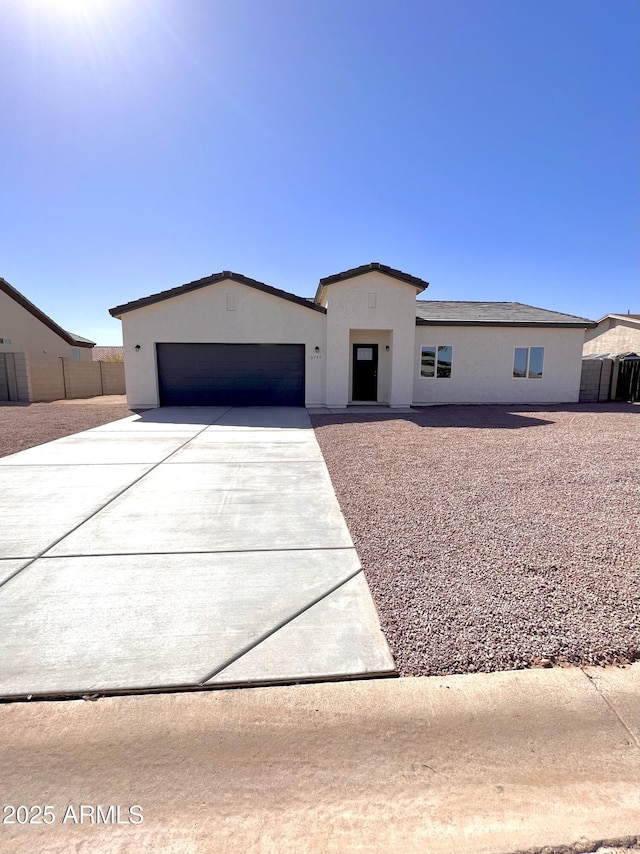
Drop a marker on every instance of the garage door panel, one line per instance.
(231, 374)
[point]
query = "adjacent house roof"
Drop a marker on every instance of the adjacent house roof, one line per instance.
(69, 337)
(374, 266)
(212, 280)
(623, 357)
(632, 318)
(450, 313)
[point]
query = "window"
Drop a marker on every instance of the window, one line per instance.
(436, 361)
(5, 340)
(528, 362)
(75, 353)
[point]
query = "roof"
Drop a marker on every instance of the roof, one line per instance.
(213, 279)
(69, 337)
(623, 357)
(374, 266)
(633, 318)
(451, 313)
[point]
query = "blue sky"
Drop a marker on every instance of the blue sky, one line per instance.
(487, 146)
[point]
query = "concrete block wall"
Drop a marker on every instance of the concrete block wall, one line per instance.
(112, 377)
(46, 378)
(595, 380)
(81, 379)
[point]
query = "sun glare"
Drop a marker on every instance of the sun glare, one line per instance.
(72, 9)
(79, 7)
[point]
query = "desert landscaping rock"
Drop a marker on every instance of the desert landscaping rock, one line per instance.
(495, 537)
(24, 425)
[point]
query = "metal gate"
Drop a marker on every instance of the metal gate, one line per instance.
(8, 381)
(628, 386)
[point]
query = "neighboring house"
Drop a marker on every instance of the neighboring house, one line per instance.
(230, 340)
(108, 354)
(26, 329)
(41, 361)
(611, 363)
(614, 334)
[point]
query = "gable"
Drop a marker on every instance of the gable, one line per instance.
(208, 281)
(418, 285)
(34, 314)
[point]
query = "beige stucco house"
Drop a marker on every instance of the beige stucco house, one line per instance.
(26, 329)
(366, 336)
(40, 360)
(615, 334)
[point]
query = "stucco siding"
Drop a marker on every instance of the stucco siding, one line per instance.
(224, 313)
(29, 335)
(369, 308)
(613, 335)
(370, 302)
(482, 367)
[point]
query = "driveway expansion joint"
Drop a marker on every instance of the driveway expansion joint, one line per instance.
(232, 659)
(244, 569)
(153, 467)
(195, 552)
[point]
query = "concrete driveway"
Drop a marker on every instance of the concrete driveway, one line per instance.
(179, 548)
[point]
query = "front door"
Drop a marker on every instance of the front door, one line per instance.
(365, 372)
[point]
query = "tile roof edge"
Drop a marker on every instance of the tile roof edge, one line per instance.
(213, 279)
(68, 337)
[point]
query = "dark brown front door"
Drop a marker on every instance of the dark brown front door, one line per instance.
(365, 372)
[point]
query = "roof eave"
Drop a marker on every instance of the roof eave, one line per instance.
(214, 279)
(374, 267)
(421, 321)
(22, 301)
(628, 317)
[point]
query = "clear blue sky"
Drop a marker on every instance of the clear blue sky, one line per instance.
(488, 146)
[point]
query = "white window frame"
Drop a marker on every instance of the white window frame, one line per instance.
(528, 348)
(435, 364)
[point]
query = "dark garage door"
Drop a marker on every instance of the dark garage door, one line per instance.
(231, 374)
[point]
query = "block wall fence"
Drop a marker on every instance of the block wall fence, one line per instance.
(32, 379)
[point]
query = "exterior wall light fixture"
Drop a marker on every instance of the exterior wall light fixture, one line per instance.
(137, 347)
(387, 347)
(317, 349)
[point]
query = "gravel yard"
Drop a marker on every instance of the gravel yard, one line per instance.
(23, 425)
(495, 537)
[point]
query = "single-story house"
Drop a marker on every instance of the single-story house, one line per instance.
(41, 361)
(365, 337)
(26, 329)
(615, 334)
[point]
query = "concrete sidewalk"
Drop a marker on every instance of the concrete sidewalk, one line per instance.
(473, 764)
